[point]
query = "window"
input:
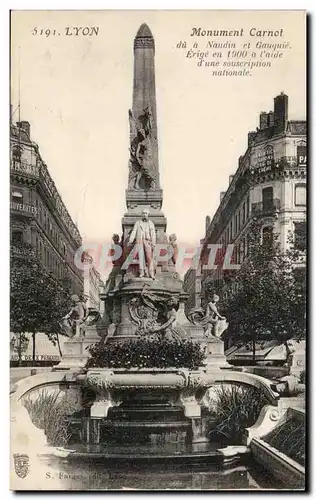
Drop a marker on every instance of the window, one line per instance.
(248, 207)
(17, 152)
(248, 245)
(301, 155)
(300, 195)
(17, 237)
(238, 253)
(17, 197)
(300, 235)
(231, 230)
(267, 235)
(267, 198)
(244, 213)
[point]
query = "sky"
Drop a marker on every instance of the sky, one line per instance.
(76, 91)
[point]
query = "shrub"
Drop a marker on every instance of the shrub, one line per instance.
(236, 408)
(49, 412)
(289, 438)
(303, 377)
(147, 353)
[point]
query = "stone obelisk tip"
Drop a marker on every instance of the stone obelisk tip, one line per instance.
(144, 38)
(144, 31)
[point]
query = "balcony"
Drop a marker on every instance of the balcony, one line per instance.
(20, 251)
(266, 208)
(24, 168)
(291, 162)
(282, 163)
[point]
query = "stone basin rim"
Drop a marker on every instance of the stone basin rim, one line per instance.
(149, 370)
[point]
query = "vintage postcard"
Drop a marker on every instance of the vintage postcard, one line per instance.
(158, 213)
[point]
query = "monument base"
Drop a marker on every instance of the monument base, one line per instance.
(213, 346)
(76, 352)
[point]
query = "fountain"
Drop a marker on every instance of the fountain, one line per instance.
(154, 409)
(144, 299)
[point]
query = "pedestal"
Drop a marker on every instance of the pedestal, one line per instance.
(214, 347)
(75, 350)
(297, 360)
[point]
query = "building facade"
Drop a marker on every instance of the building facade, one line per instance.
(269, 185)
(38, 215)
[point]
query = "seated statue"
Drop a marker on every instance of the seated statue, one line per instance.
(79, 316)
(214, 324)
(170, 330)
(155, 315)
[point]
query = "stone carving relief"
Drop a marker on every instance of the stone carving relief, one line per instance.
(156, 315)
(143, 171)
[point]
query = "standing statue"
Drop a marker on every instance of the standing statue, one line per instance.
(210, 318)
(143, 170)
(145, 236)
(111, 282)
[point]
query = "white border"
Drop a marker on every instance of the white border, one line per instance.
(4, 183)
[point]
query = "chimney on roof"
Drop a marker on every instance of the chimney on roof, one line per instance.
(251, 138)
(207, 222)
(263, 120)
(222, 194)
(25, 126)
(230, 178)
(281, 103)
(270, 119)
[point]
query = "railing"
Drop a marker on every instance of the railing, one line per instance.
(21, 252)
(290, 162)
(284, 162)
(265, 208)
(25, 168)
(41, 172)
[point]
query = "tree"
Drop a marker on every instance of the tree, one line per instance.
(267, 297)
(38, 299)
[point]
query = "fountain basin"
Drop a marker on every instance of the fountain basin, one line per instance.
(151, 407)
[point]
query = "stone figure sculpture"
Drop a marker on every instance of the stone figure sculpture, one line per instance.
(117, 263)
(144, 235)
(143, 171)
(78, 318)
(156, 315)
(210, 318)
(173, 249)
(171, 330)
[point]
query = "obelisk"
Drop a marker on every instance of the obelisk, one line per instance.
(143, 189)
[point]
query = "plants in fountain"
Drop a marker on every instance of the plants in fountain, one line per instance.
(49, 412)
(289, 438)
(147, 353)
(235, 408)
